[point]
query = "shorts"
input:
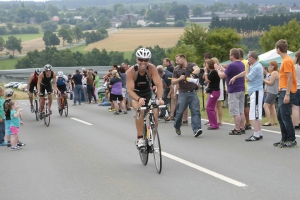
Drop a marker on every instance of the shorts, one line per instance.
(256, 99)
(7, 127)
(296, 100)
(14, 130)
(247, 100)
(116, 97)
(271, 98)
(62, 88)
(147, 97)
(31, 87)
(236, 103)
(221, 98)
(48, 88)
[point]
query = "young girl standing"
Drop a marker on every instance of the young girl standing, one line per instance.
(15, 121)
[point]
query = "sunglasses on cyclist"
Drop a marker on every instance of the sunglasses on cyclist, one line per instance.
(143, 60)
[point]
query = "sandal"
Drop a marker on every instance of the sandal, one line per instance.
(248, 127)
(267, 124)
(220, 123)
(234, 132)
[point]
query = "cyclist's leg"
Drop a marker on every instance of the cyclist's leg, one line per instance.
(42, 96)
(138, 122)
(50, 95)
(31, 88)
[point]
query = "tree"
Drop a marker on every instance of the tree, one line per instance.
(13, 44)
(197, 11)
(289, 32)
(189, 51)
(49, 26)
(196, 36)
(221, 40)
(53, 10)
(179, 23)
(181, 12)
(64, 34)
(2, 44)
(50, 39)
(78, 33)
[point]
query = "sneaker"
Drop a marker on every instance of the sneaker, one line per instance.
(111, 110)
(116, 113)
(235, 132)
(178, 131)
(140, 143)
(248, 127)
(74, 104)
(3, 144)
(288, 144)
(128, 109)
(32, 108)
(125, 112)
(8, 144)
(261, 137)
(185, 123)
(252, 138)
(169, 119)
(198, 132)
(15, 148)
(276, 144)
(21, 144)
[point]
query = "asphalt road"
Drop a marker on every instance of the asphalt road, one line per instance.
(96, 158)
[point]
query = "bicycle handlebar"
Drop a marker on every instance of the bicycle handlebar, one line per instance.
(144, 108)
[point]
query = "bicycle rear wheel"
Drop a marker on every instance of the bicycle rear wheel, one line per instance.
(156, 149)
(66, 108)
(36, 109)
(47, 115)
(144, 150)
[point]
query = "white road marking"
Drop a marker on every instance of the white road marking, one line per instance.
(207, 171)
(266, 130)
(82, 121)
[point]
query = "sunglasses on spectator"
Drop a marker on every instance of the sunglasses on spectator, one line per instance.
(143, 60)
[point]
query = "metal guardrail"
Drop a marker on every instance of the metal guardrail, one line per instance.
(25, 73)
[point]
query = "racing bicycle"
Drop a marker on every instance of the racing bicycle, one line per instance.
(46, 112)
(151, 136)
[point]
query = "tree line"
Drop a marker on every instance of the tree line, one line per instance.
(252, 24)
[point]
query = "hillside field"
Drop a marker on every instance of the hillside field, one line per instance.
(129, 39)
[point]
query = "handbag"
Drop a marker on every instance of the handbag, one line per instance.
(208, 90)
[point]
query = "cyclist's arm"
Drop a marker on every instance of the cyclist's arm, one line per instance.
(130, 84)
(40, 78)
(54, 81)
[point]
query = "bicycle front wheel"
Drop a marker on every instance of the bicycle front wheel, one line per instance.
(47, 115)
(156, 149)
(144, 150)
(36, 109)
(66, 108)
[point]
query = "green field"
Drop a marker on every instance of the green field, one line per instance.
(8, 63)
(78, 48)
(24, 37)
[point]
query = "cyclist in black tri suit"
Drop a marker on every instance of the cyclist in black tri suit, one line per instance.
(138, 82)
(45, 83)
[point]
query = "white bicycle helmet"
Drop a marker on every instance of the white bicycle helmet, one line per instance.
(60, 74)
(47, 67)
(37, 71)
(143, 53)
(9, 92)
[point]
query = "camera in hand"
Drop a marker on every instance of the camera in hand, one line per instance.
(201, 79)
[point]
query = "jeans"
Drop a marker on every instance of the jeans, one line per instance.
(186, 99)
(210, 108)
(77, 93)
(2, 131)
(90, 93)
(166, 101)
(284, 118)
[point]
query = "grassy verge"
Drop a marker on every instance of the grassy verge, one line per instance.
(18, 95)
(79, 49)
(8, 63)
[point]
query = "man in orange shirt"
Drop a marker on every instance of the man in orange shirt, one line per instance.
(287, 88)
